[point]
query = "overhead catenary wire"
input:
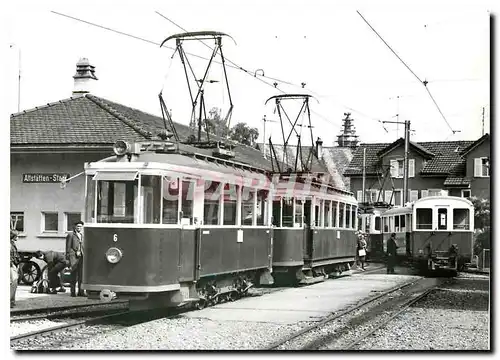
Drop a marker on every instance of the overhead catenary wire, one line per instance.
(254, 75)
(425, 82)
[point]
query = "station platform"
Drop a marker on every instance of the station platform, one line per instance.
(25, 300)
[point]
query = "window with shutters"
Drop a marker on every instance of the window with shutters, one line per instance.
(435, 192)
(397, 168)
(466, 193)
(482, 167)
(397, 198)
(389, 199)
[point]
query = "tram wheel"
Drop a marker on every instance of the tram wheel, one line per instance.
(200, 304)
(30, 272)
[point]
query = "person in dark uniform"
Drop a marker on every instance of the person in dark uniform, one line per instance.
(361, 250)
(391, 253)
(56, 262)
(15, 259)
(74, 255)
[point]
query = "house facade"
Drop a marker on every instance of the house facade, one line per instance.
(455, 168)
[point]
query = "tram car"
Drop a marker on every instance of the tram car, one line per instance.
(167, 224)
(314, 232)
(370, 223)
(432, 233)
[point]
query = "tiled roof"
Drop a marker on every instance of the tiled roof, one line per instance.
(413, 145)
(456, 181)
(446, 159)
(475, 143)
(71, 121)
(91, 120)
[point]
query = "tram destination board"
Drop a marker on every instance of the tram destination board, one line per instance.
(44, 178)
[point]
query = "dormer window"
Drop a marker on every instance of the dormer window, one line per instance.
(482, 167)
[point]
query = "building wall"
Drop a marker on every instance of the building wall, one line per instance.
(35, 198)
(416, 183)
(480, 186)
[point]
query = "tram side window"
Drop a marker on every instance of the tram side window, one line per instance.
(117, 202)
(187, 202)
(348, 216)
(461, 219)
(151, 191)
(326, 212)
(287, 211)
(402, 223)
(354, 212)
(261, 207)
(341, 215)
(442, 219)
(230, 204)
(317, 212)
(378, 221)
(90, 200)
(299, 213)
(334, 214)
(170, 200)
(396, 224)
(424, 219)
(213, 191)
(247, 201)
(386, 224)
(277, 212)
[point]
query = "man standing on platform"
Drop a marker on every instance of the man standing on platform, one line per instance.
(74, 254)
(391, 253)
(15, 259)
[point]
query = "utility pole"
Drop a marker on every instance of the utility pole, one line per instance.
(19, 77)
(364, 175)
(406, 162)
(483, 123)
(264, 147)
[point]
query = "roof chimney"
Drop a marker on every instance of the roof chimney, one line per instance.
(84, 75)
(319, 148)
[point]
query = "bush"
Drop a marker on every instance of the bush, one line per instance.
(482, 241)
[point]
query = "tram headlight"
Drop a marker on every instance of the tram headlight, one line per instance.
(113, 255)
(121, 147)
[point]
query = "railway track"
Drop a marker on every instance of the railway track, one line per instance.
(65, 308)
(64, 333)
(386, 321)
(319, 340)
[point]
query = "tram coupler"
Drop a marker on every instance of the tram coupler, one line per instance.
(107, 295)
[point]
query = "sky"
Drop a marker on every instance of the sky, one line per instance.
(328, 45)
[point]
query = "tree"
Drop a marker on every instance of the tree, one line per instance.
(482, 221)
(481, 212)
(215, 123)
(244, 134)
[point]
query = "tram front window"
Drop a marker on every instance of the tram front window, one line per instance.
(461, 219)
(117, 201)
(151, 196)
(424, 219)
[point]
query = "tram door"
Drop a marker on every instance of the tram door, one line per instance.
(308, 231)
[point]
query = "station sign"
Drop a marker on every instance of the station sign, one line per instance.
(45, 178)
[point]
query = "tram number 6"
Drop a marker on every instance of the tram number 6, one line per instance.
(115, 237)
